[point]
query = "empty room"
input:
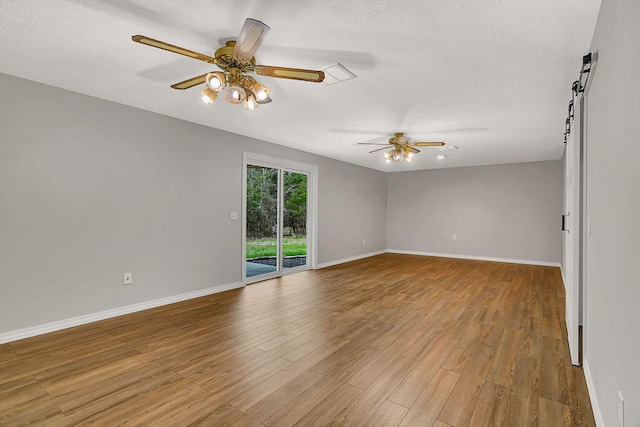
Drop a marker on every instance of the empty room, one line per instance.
(378, 213)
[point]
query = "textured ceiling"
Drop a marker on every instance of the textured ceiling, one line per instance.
(491, 77)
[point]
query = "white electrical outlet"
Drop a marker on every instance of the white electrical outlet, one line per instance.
(454, 237)
(127, 278)
(364, 242)
(620, 409)
(234, 215)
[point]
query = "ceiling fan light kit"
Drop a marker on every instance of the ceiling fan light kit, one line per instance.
(236, 58)
(401, 148)
(397, 155)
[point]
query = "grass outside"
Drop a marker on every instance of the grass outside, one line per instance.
(266, 247)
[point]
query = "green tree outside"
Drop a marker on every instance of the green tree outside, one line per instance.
(262, 205)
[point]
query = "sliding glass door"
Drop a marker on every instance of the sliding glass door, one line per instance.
(262, 220)
(294, 220)
(276, 215)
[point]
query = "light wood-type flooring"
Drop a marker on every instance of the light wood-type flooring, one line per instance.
(385, 341)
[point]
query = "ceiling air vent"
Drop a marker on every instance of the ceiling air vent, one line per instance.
(337, 73)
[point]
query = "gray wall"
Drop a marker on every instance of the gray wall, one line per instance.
(91, 189)
(504, 211)
(612, 317)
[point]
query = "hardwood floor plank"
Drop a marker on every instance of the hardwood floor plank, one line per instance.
(300, 406)
(522, 408)
(368, 374)
(491, 407)
(118, 403)
(15, 375)
(401, 327)
(276, 400)
(433, 398)
(423, 345)
(202, 413)
(17, 407)
(445, 342)
(411, 387)
(289, 373)
(553, 381)
(111, 391)
(338, 357)
(122, 368)
(553, 413)
(504, 363)
(167, 411)
(7, 353)
(331, 407)
(579, 401)
(80, 365)
(208, 368)
(471, 340)
(44, 415)
(388, 414)
(29, 395)
(237, 385)
(42, 343)
(465, 394)
(375, 395)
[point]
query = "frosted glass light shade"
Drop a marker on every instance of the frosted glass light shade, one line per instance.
(260, 91)
(250, 103)
(235, 94)
(215, 81)
(209, 96)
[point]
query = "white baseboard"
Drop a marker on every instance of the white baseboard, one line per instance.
(592, 393)
(94, 317)
(353, 258)
(474, 257)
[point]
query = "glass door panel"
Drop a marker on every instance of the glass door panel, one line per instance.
(294, 220)
(262, 215)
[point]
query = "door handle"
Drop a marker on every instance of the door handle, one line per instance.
(564, 222)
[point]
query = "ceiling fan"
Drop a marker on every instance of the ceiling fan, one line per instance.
(235, 59)
(401, 147)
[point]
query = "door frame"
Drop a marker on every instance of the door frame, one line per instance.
(580, 224)
(572, 231)
(585, 215)
(249, 158)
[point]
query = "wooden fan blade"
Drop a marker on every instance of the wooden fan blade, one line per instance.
(172, 48)
(193, 81)
(250, 39)
(379, 149)
(290, 73)
(427, 144)
(374, 143)
(410, 148)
